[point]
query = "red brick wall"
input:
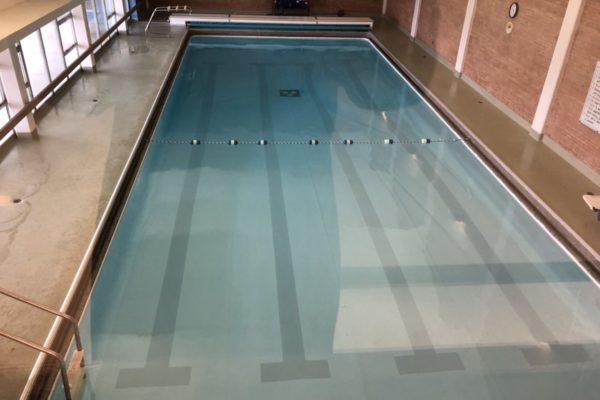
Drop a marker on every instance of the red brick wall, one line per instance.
(440, 25)
(513, 67)
(563, 124)
(367, 7)
(265, 6)
(402, 12)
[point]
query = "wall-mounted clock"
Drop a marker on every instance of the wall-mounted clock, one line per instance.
(513, 10)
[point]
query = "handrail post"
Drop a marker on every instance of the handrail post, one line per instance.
(51, 353)
(50, 310)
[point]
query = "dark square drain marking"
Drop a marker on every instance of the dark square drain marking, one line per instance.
(289, 93)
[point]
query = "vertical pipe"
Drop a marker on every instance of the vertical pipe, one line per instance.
(415, 20)
(465, 35)
(557, 63)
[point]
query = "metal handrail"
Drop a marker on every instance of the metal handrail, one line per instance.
(50, 310)
(41, 96)
(167, 9)
(50, 352)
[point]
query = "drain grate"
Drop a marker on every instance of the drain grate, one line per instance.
(289, 93)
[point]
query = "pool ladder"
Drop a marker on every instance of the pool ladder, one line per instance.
(46, 350)
(168, 9)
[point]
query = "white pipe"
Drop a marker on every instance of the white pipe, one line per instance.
(466, 34)
(415, 20)
(558, 62)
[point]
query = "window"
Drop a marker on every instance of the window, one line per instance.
(67, 32)
(4, 113)
(101, 16)
(34, 59)
(54, 49)
(90, 10)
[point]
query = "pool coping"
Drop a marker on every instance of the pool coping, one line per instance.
(536, 202)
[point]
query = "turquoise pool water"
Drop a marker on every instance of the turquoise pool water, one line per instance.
(329, 271)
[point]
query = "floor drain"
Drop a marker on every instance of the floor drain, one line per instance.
(289, 93)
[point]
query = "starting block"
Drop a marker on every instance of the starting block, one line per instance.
(593, 202)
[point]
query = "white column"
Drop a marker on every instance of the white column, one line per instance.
(120, 10)
(465, 35)
(82, 34)
(415, 20)
(384, 7)
(14, 88)
(558, 62)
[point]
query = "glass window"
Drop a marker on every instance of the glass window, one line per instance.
(35, 63)
(2, 96)
(54, 49)
(112, 20)
(110, 7)
(71, 56)
(101, 16)
(92, 20)
(67, 33)
(4, 114)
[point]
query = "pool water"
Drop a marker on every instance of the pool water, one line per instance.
(328, 271)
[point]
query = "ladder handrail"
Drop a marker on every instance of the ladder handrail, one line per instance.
(50, 352)
(169, 9)
(50, 310)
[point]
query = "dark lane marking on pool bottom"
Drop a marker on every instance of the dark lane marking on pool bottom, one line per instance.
(549, 351)
(424, 360)
(294, 364)
(543, 354)
(157, 371)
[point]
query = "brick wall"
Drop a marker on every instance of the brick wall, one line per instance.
(402, 12)
(440, 25)
(563, 124)
(265, 6)
(513, 67)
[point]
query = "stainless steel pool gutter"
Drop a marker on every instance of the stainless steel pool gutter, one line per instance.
(38, 385)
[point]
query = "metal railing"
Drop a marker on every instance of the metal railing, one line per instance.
(50, 310)
(41, 96)
(50, 352)
(169, 9)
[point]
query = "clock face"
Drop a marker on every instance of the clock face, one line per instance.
(513, 10)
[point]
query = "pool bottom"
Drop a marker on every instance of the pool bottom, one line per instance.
(330, 271)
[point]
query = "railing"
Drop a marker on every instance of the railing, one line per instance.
(50, 352)
(169, 9)
(41, 96)
(35, 346)
(5, 130)
(50, 310)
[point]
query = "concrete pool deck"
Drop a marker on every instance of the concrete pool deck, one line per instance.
(533, 162)
(66, 175)
(64, 179)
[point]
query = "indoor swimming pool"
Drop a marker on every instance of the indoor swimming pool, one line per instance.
(362, 251)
